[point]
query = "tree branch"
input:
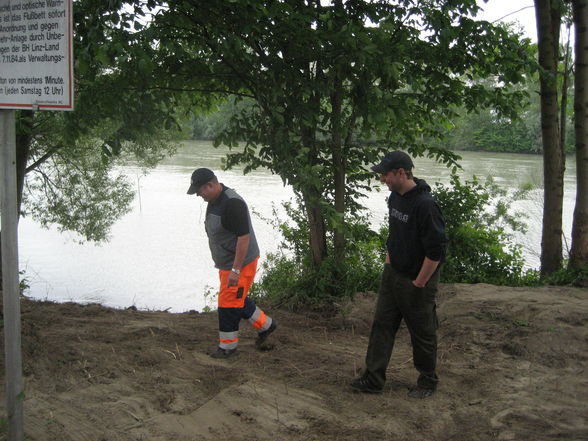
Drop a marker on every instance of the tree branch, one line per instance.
(179, 89)
(42, 159)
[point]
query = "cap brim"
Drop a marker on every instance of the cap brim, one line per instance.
(193, 189)
(380, 168)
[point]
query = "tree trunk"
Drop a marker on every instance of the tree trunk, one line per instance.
(311, 197)
(548, 17)
(339, 163)
(567, 69)
(579, 250)
(316, 223)
(24, 136)
(339, 169)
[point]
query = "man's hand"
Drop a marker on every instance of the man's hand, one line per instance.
(427, 270)
(233, 278)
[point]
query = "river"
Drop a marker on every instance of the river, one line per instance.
(157, 256)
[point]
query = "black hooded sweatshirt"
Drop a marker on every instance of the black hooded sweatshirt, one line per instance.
(417, 229)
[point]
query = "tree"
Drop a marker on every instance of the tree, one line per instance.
(326, 79)
(209, 125)
(579, 249)
(548, 14)
(119, 112)
(487, 130)
(65, 159)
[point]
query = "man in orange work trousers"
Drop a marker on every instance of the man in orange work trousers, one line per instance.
(235, 253)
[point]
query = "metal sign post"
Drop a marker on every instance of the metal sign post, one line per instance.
(10, 281)
(36, 72)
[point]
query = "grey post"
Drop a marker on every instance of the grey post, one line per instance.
(10, 278)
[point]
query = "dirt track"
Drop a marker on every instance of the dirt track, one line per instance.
(513, 366)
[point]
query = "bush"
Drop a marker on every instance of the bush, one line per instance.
(480, 226)
(480, 250)
(569, 276)
(291, 280)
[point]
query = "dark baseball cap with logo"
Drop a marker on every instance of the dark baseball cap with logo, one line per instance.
(393, 161)
(200, 177)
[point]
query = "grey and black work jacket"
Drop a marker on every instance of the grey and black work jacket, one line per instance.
(227, 218)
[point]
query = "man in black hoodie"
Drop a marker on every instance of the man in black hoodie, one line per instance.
(415, 249)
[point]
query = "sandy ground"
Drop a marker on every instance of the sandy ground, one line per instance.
(512, 362)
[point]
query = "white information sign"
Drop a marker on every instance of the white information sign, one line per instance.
(36, 56)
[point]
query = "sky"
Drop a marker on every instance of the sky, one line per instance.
(522, 11)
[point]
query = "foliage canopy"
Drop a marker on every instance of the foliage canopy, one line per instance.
(335, 85)
(68, 158)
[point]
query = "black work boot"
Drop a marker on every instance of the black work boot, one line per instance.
(426, 385)
(363, 384)
(224, 353)
(263, 335)
(420, 392)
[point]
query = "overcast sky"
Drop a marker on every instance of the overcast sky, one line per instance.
(522, 11)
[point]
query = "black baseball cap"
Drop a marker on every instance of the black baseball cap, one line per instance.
(393, 161)
(200, 177)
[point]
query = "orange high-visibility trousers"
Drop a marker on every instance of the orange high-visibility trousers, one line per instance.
(234, 305)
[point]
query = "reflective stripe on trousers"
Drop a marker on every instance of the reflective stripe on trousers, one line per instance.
(229, 319)
(228, 340)
(259, 320)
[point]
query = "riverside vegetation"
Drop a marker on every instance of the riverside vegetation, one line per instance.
(481, 248)
(323, 94)
(96, 373)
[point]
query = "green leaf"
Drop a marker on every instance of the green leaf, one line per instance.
(102, 56)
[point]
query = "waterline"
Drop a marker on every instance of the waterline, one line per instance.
(158, 255)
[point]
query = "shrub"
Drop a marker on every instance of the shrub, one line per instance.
(569, 276)
(481, 249)
(480, 226)
(291, 280)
